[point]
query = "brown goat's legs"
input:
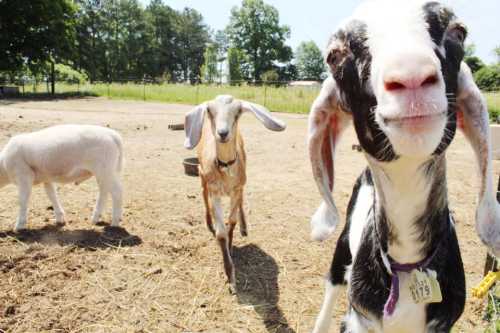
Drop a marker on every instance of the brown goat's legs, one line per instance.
(235, 205)
(208, 217)
(222, 238)
(243, 221)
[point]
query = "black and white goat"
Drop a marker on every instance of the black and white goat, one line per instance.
(398, 75)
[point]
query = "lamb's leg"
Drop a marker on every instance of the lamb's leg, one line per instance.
(208, 216)
(101, 199)
(117, 197)
(222, 238)
(24, 186)
(52, 194)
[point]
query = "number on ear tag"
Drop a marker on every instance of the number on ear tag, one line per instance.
(424, 287)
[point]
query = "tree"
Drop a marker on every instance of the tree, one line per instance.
(35, 33)
(488, 78)
(254, 28)
(309, 62)
(209, 69)
(235, 58)
(193, 37)
(496, 51)
(471, 60)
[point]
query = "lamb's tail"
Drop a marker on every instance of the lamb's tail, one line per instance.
(117, 139)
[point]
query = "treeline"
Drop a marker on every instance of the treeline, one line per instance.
(120, 40)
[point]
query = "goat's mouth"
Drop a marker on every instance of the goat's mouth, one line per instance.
(415, 123)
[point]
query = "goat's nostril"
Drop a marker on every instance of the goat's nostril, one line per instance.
(394, 85)
(430, 80)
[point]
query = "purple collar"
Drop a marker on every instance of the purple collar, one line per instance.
(394, 268)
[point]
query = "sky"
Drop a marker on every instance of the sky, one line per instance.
(317, 19)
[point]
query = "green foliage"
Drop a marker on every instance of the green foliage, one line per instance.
(34, 32)
(120, 40)
(493, 101)
(474, 63)
(209, 69)
(271, 76)
(235, 58)
(309, 62)
(67, 74)
(255, 29)
(488, 78)
(496, 50)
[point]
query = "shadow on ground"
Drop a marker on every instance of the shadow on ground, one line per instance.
(257, 285)
(33, 97)
(87, 239)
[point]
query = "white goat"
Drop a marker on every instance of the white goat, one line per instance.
(223, 162)
(64, 154)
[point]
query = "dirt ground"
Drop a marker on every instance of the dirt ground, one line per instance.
(163, 272)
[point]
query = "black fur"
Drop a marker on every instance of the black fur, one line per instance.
(352, 74)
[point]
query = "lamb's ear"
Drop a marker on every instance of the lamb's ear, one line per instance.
(474, 122)
(263, 114)
(326, 123)
(193, 123)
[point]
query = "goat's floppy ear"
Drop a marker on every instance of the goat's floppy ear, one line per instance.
(326, 123)
(473, 121)
(263, 114)
(193, 123)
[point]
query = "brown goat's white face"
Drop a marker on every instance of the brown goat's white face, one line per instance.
(224, 112)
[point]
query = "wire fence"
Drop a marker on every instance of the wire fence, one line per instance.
(293, 97)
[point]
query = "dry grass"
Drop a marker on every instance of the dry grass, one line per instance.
(163, 272)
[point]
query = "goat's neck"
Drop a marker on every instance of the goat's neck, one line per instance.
(226, 152)
(407, 190)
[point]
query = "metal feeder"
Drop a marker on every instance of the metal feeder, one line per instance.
(176, 127)
(191, 166)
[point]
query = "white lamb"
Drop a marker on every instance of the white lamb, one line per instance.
(64, 154)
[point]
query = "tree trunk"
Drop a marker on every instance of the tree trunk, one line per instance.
(52, 78)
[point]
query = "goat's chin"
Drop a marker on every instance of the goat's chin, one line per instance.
(411, 142)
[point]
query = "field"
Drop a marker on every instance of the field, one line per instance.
(279, 99)
(162, 272)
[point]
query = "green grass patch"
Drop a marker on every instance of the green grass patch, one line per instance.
(493, 101)
(282, 99)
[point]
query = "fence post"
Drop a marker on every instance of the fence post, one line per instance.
(265, 95)
(144, 89)
(108, 88)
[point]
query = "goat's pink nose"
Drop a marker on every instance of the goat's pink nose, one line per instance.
(410, 72)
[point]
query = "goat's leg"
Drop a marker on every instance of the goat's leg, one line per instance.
(222, 237)
(335, 282)
(235, 205)
(104, 189)
(243, 221)
(52, 195)
(208, 216)
(24, 185)
(117, 198)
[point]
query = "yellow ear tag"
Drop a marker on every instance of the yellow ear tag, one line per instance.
(424, 287)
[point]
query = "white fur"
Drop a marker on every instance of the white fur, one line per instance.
(64, 154)
(325, 316)
(359, 217)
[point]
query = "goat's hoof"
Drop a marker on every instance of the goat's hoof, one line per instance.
(115, 224)
(243, 232)
(19, 228)
(232, 288)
